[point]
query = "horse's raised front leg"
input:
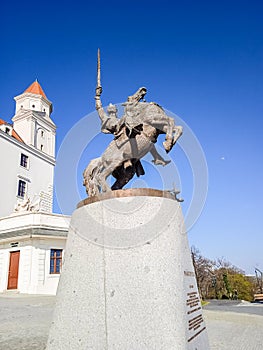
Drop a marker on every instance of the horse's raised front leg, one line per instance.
(178, 130)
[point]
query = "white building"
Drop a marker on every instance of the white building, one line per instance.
(32, 239)
(31, 252)
(29, 150)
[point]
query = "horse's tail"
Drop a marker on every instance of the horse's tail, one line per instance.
(94, 163)
(89, 175)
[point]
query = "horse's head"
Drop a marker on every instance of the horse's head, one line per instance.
(138, 96)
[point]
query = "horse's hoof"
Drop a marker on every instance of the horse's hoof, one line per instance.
(167, 146)
(161, 162)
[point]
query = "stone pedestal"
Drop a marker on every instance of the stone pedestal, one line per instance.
(128, 281)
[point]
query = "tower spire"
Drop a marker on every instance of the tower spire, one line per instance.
(35, 88)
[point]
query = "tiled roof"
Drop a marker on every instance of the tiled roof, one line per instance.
(14, 133)
(35, 88)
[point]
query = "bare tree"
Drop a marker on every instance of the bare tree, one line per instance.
(204, 272)
(220, 279)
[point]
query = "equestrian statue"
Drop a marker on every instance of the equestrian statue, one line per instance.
(135, 134)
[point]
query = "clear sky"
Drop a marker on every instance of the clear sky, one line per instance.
(202, 60)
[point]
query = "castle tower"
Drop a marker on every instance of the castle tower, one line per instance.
(29, 148)
(32, 119)
(32, 237)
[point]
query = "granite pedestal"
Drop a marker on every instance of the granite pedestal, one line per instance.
(128, 281)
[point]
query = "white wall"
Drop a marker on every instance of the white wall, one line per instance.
(28, 100)
(47, 140)
(25, 127)
(34, 264)
(8, 176)
(38, 176)
(29, 125)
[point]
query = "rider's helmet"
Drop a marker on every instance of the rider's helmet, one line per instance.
(112, 109)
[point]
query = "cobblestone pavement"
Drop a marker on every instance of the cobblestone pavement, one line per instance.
(25, 321)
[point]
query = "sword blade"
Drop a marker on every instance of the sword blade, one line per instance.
(98, 69)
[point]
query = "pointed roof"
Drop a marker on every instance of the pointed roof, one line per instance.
(35, 88)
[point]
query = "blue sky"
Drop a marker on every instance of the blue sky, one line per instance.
(201, 60)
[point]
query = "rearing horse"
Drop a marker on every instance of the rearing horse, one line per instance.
(122, 157)
(135, 135)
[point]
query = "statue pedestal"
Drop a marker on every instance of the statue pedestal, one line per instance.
(128, 281)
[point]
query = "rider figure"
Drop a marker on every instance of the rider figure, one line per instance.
(109, 120)
(111, 124)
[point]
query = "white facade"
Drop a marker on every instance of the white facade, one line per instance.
(30, 101)
(33, 235)
(32, 119)
(38, 175)
(31, 136)
(36, 130)
(32, 239)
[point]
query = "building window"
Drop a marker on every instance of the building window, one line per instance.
(21, 188)
(41, 147)
(7, 130)
(55, 260)
(24, 161)
(33, 106)
(42, 133)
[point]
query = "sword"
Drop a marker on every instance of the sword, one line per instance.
(98, 87)
(98, 69)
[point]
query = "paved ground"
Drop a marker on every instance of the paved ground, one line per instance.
(235, 306)
(238, 328)
(234, 325)
(25, 320)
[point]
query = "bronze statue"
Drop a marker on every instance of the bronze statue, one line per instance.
(135, 133)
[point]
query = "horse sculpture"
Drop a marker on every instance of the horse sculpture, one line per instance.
(122, 157)
(135, 135)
